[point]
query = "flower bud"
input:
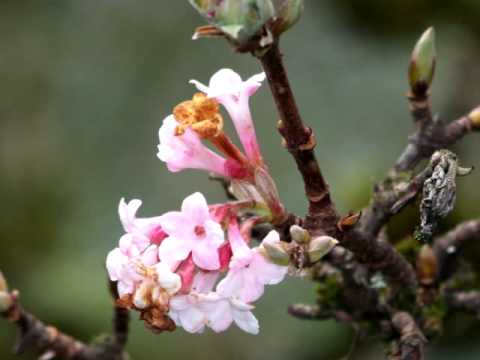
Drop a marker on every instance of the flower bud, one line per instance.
(238, 19)
(299, 234)
(277, 252)
(422, 63)
(475, 117)
(320, 246)
(427, 265)
(289, 12)
(268, 190)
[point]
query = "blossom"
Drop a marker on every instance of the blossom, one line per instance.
(202, 308)
(186, 151)
(250, 270)
(228, 88)
(192, 230)
(142, 231)
(123, 267)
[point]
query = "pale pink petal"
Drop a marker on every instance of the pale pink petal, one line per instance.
(192, 320)
(173, 249)
(115, 261)
(244, 318)
(174, 222)
(241, 252)
(150, 256)
(168, 280)
(187, 151)
(205, 256)
(268, 273)
(127, 213)
(204, 281)
(195, 208)
(231, 284)
(219, 315)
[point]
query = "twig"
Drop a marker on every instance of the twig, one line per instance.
(448, 247)
(300, 142)
(411, 342)
(469, 300)
(52, 343)
(322, 217)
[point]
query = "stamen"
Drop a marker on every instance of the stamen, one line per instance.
(201, 114)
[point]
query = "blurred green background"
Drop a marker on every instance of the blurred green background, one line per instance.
(84, 86)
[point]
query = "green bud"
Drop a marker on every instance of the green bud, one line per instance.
(422, 64)
(277, 252)
(289, 12)
(3, 283)
(299, 234)
(239, 19)
(320, 246)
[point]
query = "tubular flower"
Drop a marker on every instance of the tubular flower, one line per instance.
(228, 88)
(192, 230)
(249, 269)
(183, 149)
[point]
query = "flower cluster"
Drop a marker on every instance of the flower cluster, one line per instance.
(195, 268)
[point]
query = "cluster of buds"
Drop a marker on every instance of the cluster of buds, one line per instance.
(248, 24)
(196, 268)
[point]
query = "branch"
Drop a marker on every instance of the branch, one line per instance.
(411, 342)
(448, 247)
(422, 145)
(322, 217)
(52, 343)
(469, 300)
(300, 142)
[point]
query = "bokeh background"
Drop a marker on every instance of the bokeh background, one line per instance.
(84, 86)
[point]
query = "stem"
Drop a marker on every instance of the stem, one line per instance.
(300, 142)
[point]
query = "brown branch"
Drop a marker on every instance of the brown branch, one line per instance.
(410, 345)
(315, 312)
(429, 137)
(468, 300)
(49, 341)
(300, 142)
(448, 247)
(322, 217)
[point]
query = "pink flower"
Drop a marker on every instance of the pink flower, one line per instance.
(233, 93)
(192, 230)
(249, 270)
(203, 308)
(187, 151)
(124, 267)
(143, 231)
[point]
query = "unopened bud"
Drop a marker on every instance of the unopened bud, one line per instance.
(320, 246)
(427, 265)
(475, 117)
(299, 234)
(3, 283)
(422, 63)
(288, 12)
(268, 190)
(238, 19)
(277, 253)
